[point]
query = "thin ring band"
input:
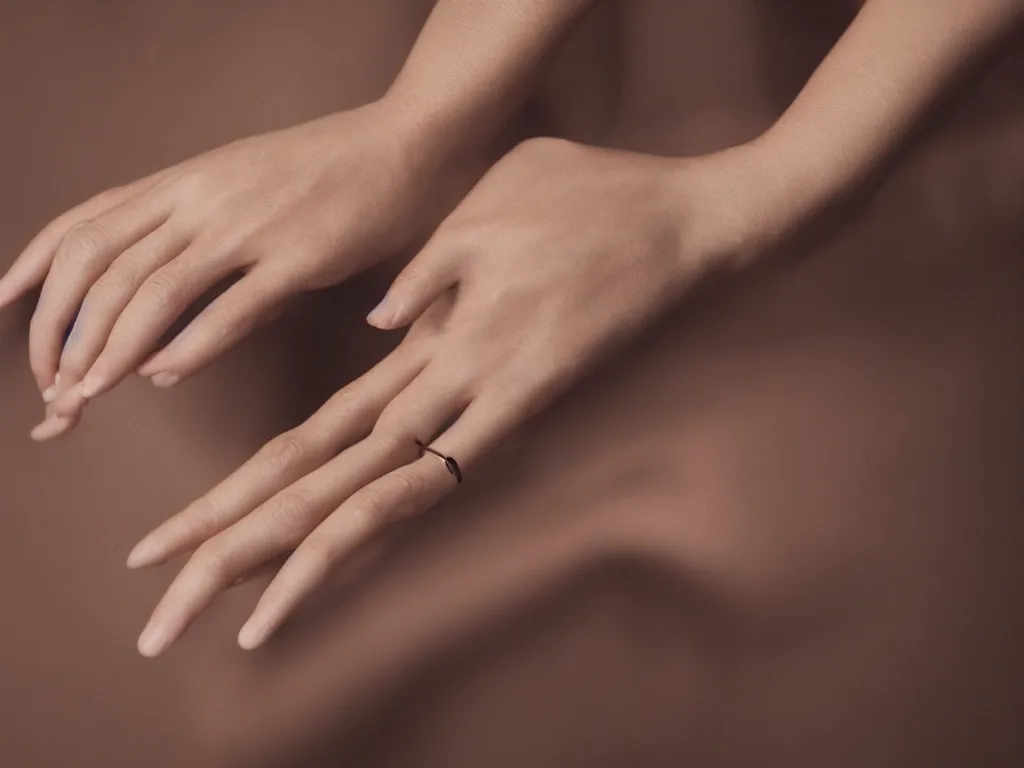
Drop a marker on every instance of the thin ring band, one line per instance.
(450, 463)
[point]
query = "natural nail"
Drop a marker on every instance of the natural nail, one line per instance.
(50, 428)
(152, 641)
(380, 316)
(252, 634)
(142, 554)
(164, 380)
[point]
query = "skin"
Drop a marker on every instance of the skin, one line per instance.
(290, 211)
(557, 257)
(499, 327)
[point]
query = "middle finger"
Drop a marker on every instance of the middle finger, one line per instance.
(285, 520)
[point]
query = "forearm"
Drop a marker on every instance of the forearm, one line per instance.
(896, 59)
(474, 65)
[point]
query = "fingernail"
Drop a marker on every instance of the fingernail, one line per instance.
(50, 428)
(142, 554)
(91, 385)
(252, 634)
(152, 641)
(164, 380)
(379, 316)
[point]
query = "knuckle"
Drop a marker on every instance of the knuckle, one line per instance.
(374, 507)
(344, 404)
(201, 520)
(116, 281)
(318, 552)
(82, 244)
(74, 361)
(386, 435)
(212, 561)
(409, 485)
(189, 184)
(166, 290)
(290, 509)
(285, 452)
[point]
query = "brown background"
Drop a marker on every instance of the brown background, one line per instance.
(785, 530)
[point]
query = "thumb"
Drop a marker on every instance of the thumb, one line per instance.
(431, 272)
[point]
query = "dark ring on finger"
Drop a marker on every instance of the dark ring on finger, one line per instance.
(450, 463)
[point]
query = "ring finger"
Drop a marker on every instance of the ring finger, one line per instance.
(285, 520)
(407, 490)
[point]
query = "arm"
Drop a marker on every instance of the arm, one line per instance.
(873, 89)
(475, 62)
(562, 253)
(292, 210)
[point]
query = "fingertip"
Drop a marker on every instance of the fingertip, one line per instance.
(165, 379)
(380, 316)
(253, 633)
(9, 291)
(143, 554)
(153, 641)
(54, 426)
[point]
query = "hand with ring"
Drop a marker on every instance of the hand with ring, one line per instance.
(561, 254)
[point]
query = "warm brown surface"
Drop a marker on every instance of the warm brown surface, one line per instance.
(785, 531)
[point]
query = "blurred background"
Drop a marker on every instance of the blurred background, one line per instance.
(783, 530)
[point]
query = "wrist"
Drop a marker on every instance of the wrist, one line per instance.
(805, 169)
(431, 139)
(731, 207)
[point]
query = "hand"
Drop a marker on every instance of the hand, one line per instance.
(290, 211)
(560, 254)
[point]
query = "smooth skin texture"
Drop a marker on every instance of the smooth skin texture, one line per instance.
(290, 211)
(558, 256)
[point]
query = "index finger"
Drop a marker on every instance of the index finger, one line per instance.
(408, 490)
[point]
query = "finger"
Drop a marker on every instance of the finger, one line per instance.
(31, 266)
(285, 520)
(431, 272)
(278, 525)
(84, 253)
(408, 489)
(108, 296)
(159, 302)
(344, 419)
(54, 425)
(235, 314)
